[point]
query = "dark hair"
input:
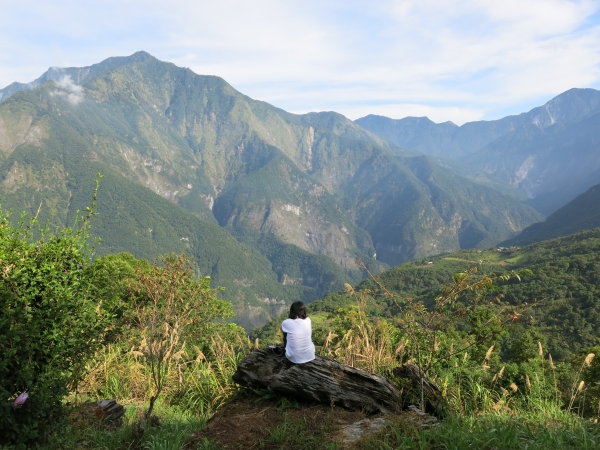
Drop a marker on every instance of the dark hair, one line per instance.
(297, 311)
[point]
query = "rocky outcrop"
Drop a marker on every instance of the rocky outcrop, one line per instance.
(322, 380)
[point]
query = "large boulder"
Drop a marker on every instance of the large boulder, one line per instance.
(322, 380)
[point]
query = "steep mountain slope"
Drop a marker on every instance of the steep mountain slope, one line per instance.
(132, 218)
(549, 154)
(552, 165)
(51, 154)
(417, 209)
(308, 192)
(236, 146)
(582, 213)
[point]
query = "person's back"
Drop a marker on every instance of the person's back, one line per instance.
(297, 330)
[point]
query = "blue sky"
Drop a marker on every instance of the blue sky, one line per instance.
(458, 60)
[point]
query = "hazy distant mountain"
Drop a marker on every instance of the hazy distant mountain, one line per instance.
(550, 153)
(275, 206)
(580, 214)
(451, 141)
(551, 165)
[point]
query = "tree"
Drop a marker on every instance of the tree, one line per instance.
(170, 307)
(428, 326)
(526, 346)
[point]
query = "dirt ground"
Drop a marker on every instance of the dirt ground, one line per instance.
(249, 424)
(245, 424)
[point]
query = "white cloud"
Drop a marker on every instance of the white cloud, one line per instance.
(463, 58)
(71, 91)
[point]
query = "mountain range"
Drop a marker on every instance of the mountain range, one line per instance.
(274, 206)
(550, 154)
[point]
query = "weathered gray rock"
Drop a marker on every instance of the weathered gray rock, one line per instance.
(434, 400)
(322, 380)
(111, 411)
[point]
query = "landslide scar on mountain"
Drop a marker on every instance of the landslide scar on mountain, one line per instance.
(17, 130)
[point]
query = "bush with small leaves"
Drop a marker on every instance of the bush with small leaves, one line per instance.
(48, 324)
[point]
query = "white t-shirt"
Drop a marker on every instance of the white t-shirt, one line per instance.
(299, 348)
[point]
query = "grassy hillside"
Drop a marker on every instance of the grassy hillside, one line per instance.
(564, 286)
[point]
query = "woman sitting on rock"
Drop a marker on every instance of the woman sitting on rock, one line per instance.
(297, 335)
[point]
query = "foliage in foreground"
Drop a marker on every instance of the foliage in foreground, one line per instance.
(49, 327)
(493, 404)
(166, 335)
(60, 316)
(294, 426)
(175, 431)
(491, 432)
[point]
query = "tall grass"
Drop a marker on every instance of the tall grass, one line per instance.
(175, 432)
(365, 344)
(196, 382)
(470, 387)
(491, 432)
(491, 405)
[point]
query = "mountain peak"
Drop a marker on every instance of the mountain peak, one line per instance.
(79, 75)
(571, 105)
(141, 56)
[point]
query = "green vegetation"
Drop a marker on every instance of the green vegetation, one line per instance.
(580, 214)
(534, 431)
(157, 334)
(69, 325)
(559, 299)
(49, 327)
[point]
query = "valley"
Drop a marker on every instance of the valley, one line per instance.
(157, 224)
(318, 188)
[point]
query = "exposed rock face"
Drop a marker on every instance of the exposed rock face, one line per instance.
(322, 380)
(305, 194)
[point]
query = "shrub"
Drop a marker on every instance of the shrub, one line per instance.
(171, 307)
(48, 324)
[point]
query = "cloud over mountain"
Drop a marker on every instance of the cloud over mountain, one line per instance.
(71, 91)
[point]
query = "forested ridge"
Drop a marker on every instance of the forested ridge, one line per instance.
(582, 213)
(562, 292)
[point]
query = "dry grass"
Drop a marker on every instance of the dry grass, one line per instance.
(366, 345)
(192, 379)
